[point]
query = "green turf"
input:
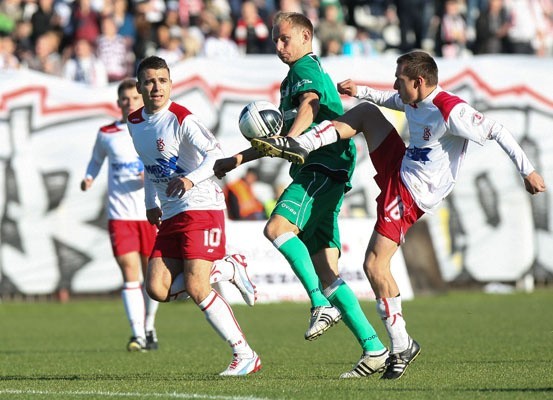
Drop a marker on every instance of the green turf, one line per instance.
(474, 346)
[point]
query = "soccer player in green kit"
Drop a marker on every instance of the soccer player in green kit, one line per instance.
(304, 223)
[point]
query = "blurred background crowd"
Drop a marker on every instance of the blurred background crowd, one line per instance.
(100, 41)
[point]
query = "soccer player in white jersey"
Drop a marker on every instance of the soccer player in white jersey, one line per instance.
(178, 153)
(132, 236)
(413, 180)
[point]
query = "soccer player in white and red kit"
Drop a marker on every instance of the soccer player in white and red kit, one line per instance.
(132, 237)
(414, 179)
(178, 152)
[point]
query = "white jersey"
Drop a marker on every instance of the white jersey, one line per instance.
(171, 143)
(125, 172)
(440, 127)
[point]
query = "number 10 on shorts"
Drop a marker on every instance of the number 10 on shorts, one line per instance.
(212, 237)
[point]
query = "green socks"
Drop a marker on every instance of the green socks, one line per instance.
(339, 293)
(297, 255)
(342, 297)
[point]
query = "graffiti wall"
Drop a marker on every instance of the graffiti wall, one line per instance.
(53, 236)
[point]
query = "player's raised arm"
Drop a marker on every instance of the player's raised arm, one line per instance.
(224, 165)
(256, 120)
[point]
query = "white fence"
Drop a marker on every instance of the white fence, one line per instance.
(53, 235)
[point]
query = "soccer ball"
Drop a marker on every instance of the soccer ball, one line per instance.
(260, 119)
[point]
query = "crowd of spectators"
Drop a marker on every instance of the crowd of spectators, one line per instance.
(100, 41)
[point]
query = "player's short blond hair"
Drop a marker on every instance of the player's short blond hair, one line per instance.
(295, 19)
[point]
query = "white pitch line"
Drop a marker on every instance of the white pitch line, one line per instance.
(173, 395)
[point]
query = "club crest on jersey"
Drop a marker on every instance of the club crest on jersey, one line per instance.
(160, 144)
(426, 134)
(477, 118)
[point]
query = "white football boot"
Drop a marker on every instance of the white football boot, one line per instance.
(367, 366)
(322, 318)
(242, 366)
(241, 279)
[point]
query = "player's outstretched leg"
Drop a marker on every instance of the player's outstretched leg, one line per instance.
(322, 318)
(283, 147)
(397, 363)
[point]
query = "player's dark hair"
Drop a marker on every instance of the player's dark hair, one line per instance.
(152, 62)
(419, 63)
(128, 83)
(295, 19)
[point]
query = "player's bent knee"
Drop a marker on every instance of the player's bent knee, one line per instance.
(371, 271)
(277, 226)
(157, 292)
(269, 232)
(198, 291)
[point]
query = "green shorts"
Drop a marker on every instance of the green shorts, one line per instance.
(312, 202)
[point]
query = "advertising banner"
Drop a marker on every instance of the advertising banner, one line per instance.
(54, 236)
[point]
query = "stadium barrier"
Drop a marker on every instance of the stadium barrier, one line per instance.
(53, 236)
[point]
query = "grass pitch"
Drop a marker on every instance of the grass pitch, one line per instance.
(474, 346)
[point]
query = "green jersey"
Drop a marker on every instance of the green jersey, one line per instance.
(307, 75)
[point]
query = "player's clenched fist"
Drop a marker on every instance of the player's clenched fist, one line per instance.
(178, 186)
(224, 165)
(154, 216)
(347, 87)
(534, 183)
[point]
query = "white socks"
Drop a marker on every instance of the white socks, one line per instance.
(318, 136)
(151, 310)
(220, 316)
(133, 300)
(389, 309)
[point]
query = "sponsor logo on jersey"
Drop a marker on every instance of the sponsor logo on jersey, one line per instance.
(301, 83)
(417, 154)
(133, 167)
(164, 168)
